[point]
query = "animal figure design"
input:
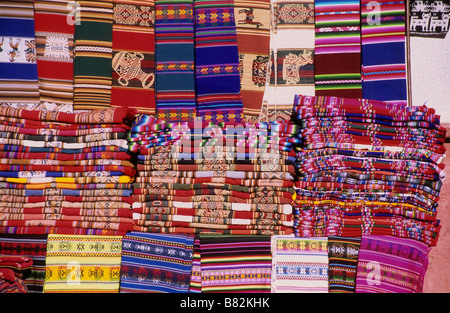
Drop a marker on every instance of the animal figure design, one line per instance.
(249, 18)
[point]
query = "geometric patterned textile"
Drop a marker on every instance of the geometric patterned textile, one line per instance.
(429, 18)
(338, 48)
(235, 264)
(133, 63)
(174, 52)
(391, 265)
(217, 77)
(18, 69)
(299, 265)
(83, 263)
(342, 259)
(383, 42)
(156, 263)
(54, 43)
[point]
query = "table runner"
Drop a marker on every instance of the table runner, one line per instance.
(391, 265)
(342, 263)
(253, 19)
(235, 264)
(55, 44)
(77, 263)
(156, 263)
(93, 55)
(18, 69)
(292, 46)
(133, 60)
(217, 77)
(175, 56)
(299, 265)
(383, 40)
(338, 48)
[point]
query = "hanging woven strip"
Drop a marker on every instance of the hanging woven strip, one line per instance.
(217, 75)
(292, 57)
(93, 55)
(54, 44)
(338, 48)
(133, 62)
(383, 50)
(18, 69)
(174, 52)
(253, 38)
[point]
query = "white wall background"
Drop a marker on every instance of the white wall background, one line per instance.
(430, 74)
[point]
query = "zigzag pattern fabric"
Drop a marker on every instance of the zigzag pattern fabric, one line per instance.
(174, 49)
(383, 42)
(338, 48)
(217, 75)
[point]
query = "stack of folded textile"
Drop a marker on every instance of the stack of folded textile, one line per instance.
(195, 177)
(367, 168)
(65, 173)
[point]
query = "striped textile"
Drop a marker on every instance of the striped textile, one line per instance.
(217, 77)
(292, 48)
(29, 246)
(156, 263)
(83, 264)
(54, 44)
(338, 48)
(383, 40)
(299, 265)
(235, 264)
(391, 265)
(133, 60)
(253, 38)
(174, 51)
(18, 69)
(93, 55)
(342, 262)
(195, 284)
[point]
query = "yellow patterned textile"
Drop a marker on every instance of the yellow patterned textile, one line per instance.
(83, 263)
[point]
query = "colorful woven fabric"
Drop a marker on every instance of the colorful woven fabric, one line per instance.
(429, 18)
(93, 55)
(156, 263)
(299, 265)
(217, 76)
(253, 19)
(342, 263)
(292, 57)
(235, 264)
(391, 265)
(33, 247)
(367, 167)
(76, 263)
(338, 48)
(12, 269)
(54, 44)
(133, 61)
(383, 40)
(19, 86)
(175, 55)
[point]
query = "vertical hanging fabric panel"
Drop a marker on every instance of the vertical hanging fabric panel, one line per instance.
(55, 25)
(133, 61)
(338, 48)
(253, 38)
(383, 35)
(18, 69)
(174, 51)
(217, 75)
(93, 55)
